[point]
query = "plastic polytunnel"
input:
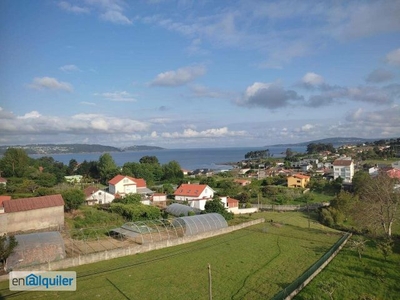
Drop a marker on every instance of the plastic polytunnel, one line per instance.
(177, 210)
(200, 223)
(36, 248)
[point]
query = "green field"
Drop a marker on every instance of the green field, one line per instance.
(253, 263)
(348, 277)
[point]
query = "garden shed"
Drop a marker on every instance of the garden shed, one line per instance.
(179, 210)
(36, 248)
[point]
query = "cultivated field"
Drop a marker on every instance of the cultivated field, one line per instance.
(253, 263)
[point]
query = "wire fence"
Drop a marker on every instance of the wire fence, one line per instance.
(292, 289)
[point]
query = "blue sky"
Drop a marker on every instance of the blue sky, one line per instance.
(188, 74)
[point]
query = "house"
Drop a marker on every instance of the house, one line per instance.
(195, 194)
(229, 202)
(94, 195)
(124, 185)
(36, 213)
(242, 182)
(343, 168)
(298, 180)
(186, 172)
(159, 199)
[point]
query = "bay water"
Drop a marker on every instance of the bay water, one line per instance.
(190, 159)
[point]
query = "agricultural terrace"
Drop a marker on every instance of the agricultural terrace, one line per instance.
(253, 263)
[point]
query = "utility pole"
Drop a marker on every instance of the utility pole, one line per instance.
(209, 283)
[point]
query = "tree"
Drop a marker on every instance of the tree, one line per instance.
(172, 171)
(73, 198)
(216, 206)
(107, 167)
(72, 166)
(14, 162)
(129, 199)
(7, 246)
(360, 179)
(358, 244)
(344, 203)
(378, 204)
(149, 160)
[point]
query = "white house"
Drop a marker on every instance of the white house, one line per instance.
(344, 168)
(124, 185)
(159, 199)
(94, 195)
(195, 194)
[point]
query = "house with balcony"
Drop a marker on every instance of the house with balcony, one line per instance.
(343, 168)
(298, 180)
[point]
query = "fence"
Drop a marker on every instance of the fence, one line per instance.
(303, 207)
(296, 286)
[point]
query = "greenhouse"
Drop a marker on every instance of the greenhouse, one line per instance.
(179, 210)
(201, 223)
(36, 248)
(158, 230)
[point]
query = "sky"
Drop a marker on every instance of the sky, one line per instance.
(193, 74)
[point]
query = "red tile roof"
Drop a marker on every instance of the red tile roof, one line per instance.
(232, 202)
(4, 198)
(139, 181)
(301, 176)
(191, 190)
(25, 204)
(90, 190)
(3, 179)
(342, 162)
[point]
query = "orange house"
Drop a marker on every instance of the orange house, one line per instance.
(298, 180)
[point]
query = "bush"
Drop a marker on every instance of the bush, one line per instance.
(136, 212)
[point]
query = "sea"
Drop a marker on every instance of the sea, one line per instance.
(189, 159)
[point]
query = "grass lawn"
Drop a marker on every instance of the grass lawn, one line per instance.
(253, 263)
(348, 277)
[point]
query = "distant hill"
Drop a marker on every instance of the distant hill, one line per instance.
(337, 141)
(142, 147)
(46, 149)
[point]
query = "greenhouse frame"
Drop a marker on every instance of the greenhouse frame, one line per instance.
(36, 248)
(158, 230)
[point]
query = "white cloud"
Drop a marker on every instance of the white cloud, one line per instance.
(393, 57)
(268, 95)
(307, 127)
(208, 133)
(200, 91)
(88, 103)
(40, 83)
(311, 79)
(179, 77)
(111, 10)
(115, 17)
(69, 68)
(31, 115)
(117, 96)
(73, 8)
